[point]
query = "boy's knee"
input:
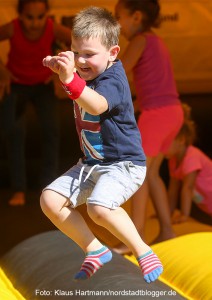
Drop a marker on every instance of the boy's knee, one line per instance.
(45, 202)
(96, 212)
(52, 203)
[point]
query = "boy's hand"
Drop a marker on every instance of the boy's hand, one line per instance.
(62, 64)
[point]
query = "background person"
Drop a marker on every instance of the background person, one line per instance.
(190, 173)
(161, 116)
(24, 79)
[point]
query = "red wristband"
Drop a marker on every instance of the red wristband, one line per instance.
(75, 87)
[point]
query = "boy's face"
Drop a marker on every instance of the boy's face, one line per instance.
(91, 57)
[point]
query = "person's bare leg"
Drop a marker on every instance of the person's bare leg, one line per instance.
(139, 207)
(119, 223)
(138, 214)
(159, 196)
(70, 222)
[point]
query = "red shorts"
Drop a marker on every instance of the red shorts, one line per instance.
(159, 127)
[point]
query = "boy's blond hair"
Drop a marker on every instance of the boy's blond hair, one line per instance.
(96, 22)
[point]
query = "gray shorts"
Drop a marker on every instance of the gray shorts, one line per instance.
(105, 185)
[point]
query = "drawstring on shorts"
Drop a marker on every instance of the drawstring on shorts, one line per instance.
(88, 175)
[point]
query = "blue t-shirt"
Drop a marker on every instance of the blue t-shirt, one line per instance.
(112, 136)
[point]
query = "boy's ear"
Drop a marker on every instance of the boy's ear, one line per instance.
(114, 51)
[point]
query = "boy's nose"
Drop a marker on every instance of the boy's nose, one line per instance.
(81, 60)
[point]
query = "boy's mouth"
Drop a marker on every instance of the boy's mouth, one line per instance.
(84, 69)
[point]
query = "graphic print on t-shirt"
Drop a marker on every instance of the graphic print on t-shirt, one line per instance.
(88, 129)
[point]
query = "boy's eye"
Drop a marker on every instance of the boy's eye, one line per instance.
(89, 54)
(84, 55)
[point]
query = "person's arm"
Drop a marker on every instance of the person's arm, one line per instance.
(5, 79)
(88, 99)
(133, 52)
(187, 193)
(186, 196)
(62, 34)
(6, 32)
(173, 193)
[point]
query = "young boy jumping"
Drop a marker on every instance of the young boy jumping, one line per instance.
(113, 166)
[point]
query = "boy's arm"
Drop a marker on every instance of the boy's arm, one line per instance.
(173, 193)
(92, 102)
(88, 99)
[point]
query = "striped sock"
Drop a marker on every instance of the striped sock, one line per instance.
(150, 265)
(94, 260)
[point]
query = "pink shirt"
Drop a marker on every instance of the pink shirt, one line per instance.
(25, 56)
(153, 76)
(196, 160)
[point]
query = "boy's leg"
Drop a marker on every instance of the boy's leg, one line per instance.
(68, 220)
(120, 225)
(138, 210)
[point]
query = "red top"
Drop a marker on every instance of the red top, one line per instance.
(196, 160)
(25, 56)
(153, 76)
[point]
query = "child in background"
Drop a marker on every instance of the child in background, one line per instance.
(190, 173)
(23, 79)
(114, 165)
(161, 113)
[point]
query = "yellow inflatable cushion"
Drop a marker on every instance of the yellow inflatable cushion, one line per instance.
(7, 290)
(187, 262)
